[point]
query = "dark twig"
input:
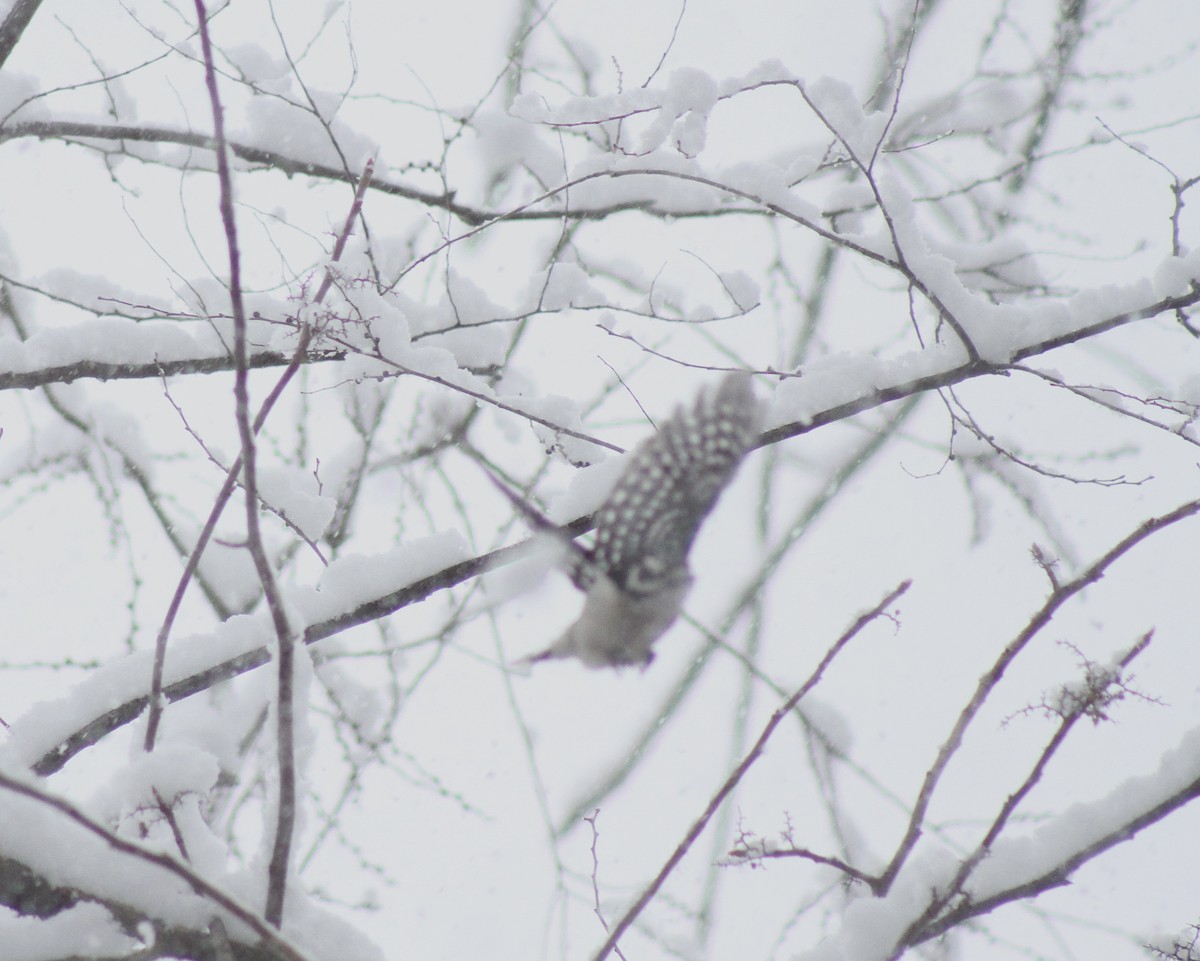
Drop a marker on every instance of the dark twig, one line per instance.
(591, 820)
(277, 869)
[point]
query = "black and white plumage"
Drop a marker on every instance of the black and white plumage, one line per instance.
(636, 576)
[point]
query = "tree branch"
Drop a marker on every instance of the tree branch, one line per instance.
(740, 771)
(272, 938)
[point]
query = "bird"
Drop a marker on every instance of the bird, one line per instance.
(636, 576)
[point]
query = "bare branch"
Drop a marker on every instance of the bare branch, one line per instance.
(879, 610)
(987, 683)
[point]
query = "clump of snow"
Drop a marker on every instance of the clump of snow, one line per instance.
(103, 340)
(1008, 259)
(841, 111)
(742, 288)
(613, 179)
(825, 383)
(227, 568)
(439, 415)
(475, 347)
(1175, 275)
(507, 140)
(562, 412)
(563, 285)
(172, 769)
(768, 71)
(800, 167)
(588, 490)
(871, 927)
(1014, 861)
(293, 493)
(355, 579)
(46, 724)
(468, 302)
(769, 184)
(361, 705)
(685, 104)
(85, 930)
(1189, 390)
(583, 110)
(255, 63)
(280, 127)
(851, 195)
(16, 91)
(66, 854)
(435, 363)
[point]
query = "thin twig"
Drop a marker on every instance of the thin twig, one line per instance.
(172, 822)
(591, 820)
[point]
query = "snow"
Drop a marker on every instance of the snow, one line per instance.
(685, 105)
(468, 303)
(768, 184)
(355, 579)
(16, 89)
(172, 769)
(742, 288)
(563, 285)
(839, 379)
(293, 493)
(105, 340)
(66, 854)
(564, 412)
(84, 931)
(326, 936)
(361, 704)
(478, 347)
(589, 487)
(1175, 275)
(583, 110)
(611, 181)
(506, 140)
(278, 126)
(767, 71)
(839, 108)
(346, 584)
(255, 64)
(870, 926)
(1014, 861)
(998, 333)
(48, 723)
